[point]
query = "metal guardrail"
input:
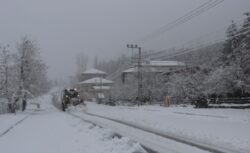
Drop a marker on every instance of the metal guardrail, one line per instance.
(229, 102)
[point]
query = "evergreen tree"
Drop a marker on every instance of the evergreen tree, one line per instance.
(244, 53)
(231, 77)
(232, 42)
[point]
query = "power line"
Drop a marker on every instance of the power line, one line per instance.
(179, 21)
(205, 35)
(183, 19)
(190, 15)
(210, 33)
(191, 50)
(115, 74)
(204, 45)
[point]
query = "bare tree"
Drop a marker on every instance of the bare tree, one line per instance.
(5, 69)
(96, 61)
(32, 71)
(81, 64)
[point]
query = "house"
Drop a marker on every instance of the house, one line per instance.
(94, 85)
(152, 68)
(91, 73)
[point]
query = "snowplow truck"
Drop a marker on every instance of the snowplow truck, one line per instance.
(70, 97)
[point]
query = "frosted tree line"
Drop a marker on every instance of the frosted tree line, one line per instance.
(226, 75)
(218, 70)
(23, 74)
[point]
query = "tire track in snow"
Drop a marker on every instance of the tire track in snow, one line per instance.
(18, 122)
(149, 150)
(56, 104)
(202, 146)
(204, 115)
(13, 126)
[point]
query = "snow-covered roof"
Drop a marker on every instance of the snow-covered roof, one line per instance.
(96, 80)
(135, 69)
(132, 69)
(93, 71)
(164, 63)
(151, 66)
(101, 87)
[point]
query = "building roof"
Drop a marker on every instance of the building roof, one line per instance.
(155, 66)
(164, 63)
(93, 71)
(132, 69)
(135, 69)
(96, 80)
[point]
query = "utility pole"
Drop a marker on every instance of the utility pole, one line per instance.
(139, 73)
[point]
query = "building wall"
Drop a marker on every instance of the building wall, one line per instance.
(88, 92)
(146, 71)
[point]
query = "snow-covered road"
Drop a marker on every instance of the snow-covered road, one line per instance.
(152, 141)
(225, 129)
(52, 131)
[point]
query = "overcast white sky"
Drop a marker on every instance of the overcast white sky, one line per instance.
(64, 28)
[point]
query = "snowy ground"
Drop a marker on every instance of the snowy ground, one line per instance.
(224, 128)
(154, 142)
(50, 131)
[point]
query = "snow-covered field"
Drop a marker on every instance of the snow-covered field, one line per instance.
(50, 131)
(225, 128)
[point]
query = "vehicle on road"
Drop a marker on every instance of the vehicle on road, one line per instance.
(70, 97)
